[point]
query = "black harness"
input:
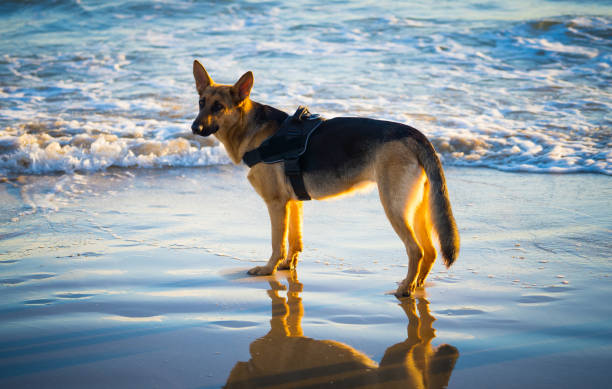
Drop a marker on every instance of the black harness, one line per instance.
(287, 145)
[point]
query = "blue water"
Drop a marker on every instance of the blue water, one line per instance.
(519, 86)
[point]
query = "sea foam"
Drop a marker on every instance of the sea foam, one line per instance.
(40, 153)
(492, 88)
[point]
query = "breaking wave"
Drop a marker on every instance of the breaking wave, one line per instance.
(490, 87)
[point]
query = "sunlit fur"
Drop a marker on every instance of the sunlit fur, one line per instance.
(288, 359)
(405, 169)
(360, 188)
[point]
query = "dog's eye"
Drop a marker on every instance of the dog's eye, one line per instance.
(217, 106)
(202, 102)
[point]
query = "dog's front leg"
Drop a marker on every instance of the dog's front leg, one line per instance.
(278, 220)
(295, 236)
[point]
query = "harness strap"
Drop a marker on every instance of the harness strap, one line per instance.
(294, 172)
(252, 157)
(287, 145)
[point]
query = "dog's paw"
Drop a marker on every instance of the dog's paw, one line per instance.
(285, 266)
(405, 289)
(402, 294)
(260, 271)
(289, 263)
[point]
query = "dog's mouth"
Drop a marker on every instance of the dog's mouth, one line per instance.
(198, 129)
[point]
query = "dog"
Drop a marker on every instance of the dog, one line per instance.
(344, 153)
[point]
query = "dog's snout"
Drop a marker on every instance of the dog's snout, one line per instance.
(196, 127)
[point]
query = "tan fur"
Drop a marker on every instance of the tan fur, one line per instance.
(408, 175)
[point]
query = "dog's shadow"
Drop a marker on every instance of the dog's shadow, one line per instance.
(285, 358)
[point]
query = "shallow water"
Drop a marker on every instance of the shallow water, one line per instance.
(137, 278)
(519, 86)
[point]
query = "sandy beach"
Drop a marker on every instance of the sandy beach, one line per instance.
(137, 278)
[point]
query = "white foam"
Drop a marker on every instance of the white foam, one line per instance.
(545, 44)
(527, 95)
(40, 153)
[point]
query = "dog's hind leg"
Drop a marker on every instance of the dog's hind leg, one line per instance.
(295, 236)
(422, 229)
(400, 187)
(279, 212)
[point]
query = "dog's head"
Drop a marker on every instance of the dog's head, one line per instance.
(220, 105)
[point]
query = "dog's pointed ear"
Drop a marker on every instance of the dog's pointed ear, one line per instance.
(202, 79)
(242, 88)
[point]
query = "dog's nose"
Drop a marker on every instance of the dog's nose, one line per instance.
(196, 127)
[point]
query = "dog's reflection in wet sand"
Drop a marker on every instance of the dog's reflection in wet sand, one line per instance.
(285, 358)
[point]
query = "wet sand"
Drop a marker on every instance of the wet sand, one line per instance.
(138, 279)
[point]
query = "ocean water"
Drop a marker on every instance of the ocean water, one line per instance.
(516, 86)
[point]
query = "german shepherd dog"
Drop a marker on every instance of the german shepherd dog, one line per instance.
(343, 154)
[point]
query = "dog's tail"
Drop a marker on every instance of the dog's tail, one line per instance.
(439, 204)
